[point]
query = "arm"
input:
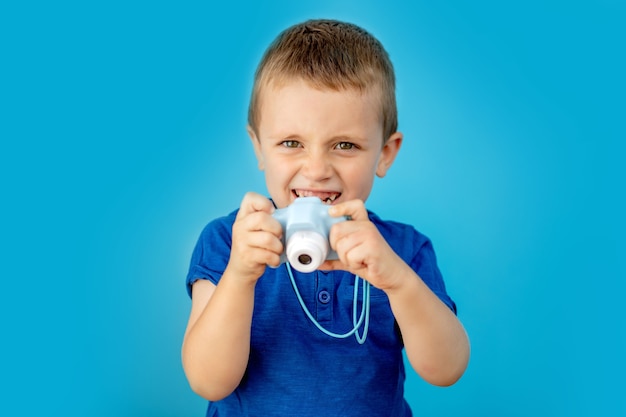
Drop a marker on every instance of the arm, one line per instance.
(216, 344)
(436, 343)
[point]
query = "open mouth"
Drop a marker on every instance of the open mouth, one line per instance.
(327, 197)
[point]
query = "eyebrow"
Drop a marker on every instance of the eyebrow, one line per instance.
(338, 138)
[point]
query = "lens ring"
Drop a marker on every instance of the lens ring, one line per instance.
(314, 247)
(304, 259)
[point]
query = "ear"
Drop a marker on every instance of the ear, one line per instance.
(388, 154)
(256, 144)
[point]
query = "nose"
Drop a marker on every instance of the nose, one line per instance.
(317, 167)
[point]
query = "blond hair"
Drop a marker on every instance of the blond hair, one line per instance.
(329, 54)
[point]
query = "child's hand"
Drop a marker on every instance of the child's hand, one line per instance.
(256, 238)
(361, 248)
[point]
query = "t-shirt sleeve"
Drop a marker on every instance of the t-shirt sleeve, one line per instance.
(424, 263)
(211, 253)
(417, 251)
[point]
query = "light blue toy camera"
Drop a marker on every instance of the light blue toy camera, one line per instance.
(306, 225)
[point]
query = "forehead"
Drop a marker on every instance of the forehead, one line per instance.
(297, 100)
(272, 83)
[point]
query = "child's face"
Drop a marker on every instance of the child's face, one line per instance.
(321, 143)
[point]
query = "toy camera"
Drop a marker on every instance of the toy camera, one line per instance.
(306, 225)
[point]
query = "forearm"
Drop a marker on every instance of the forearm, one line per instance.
(435, 341)
(217, 347)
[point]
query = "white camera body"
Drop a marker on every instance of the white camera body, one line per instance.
(306, 225)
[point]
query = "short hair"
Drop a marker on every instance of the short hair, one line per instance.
(329, 54)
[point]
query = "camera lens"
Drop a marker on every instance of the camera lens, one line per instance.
(304, 259)
(306, 250)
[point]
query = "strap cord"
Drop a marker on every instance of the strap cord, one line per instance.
(364, 317)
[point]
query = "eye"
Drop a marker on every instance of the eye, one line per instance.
(345, 146)
(290, 144)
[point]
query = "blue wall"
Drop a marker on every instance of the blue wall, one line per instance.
(123, 133)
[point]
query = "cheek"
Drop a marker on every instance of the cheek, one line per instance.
(362, 167)
(277, 167)
(278, 172)
(359, 175)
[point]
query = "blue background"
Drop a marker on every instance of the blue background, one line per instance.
(123, 133)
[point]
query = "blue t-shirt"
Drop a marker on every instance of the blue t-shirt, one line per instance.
(296, 370)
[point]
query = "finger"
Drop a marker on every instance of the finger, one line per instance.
(256, 248)
(259, 221)
(264, 257)
(265, 241)
(355, 209)
(253, 202)
(333, 265)
(341, 230)
(346, 244)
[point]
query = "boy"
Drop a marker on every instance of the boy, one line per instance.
(322, 121)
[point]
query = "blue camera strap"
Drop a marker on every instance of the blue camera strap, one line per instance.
(364, 317)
